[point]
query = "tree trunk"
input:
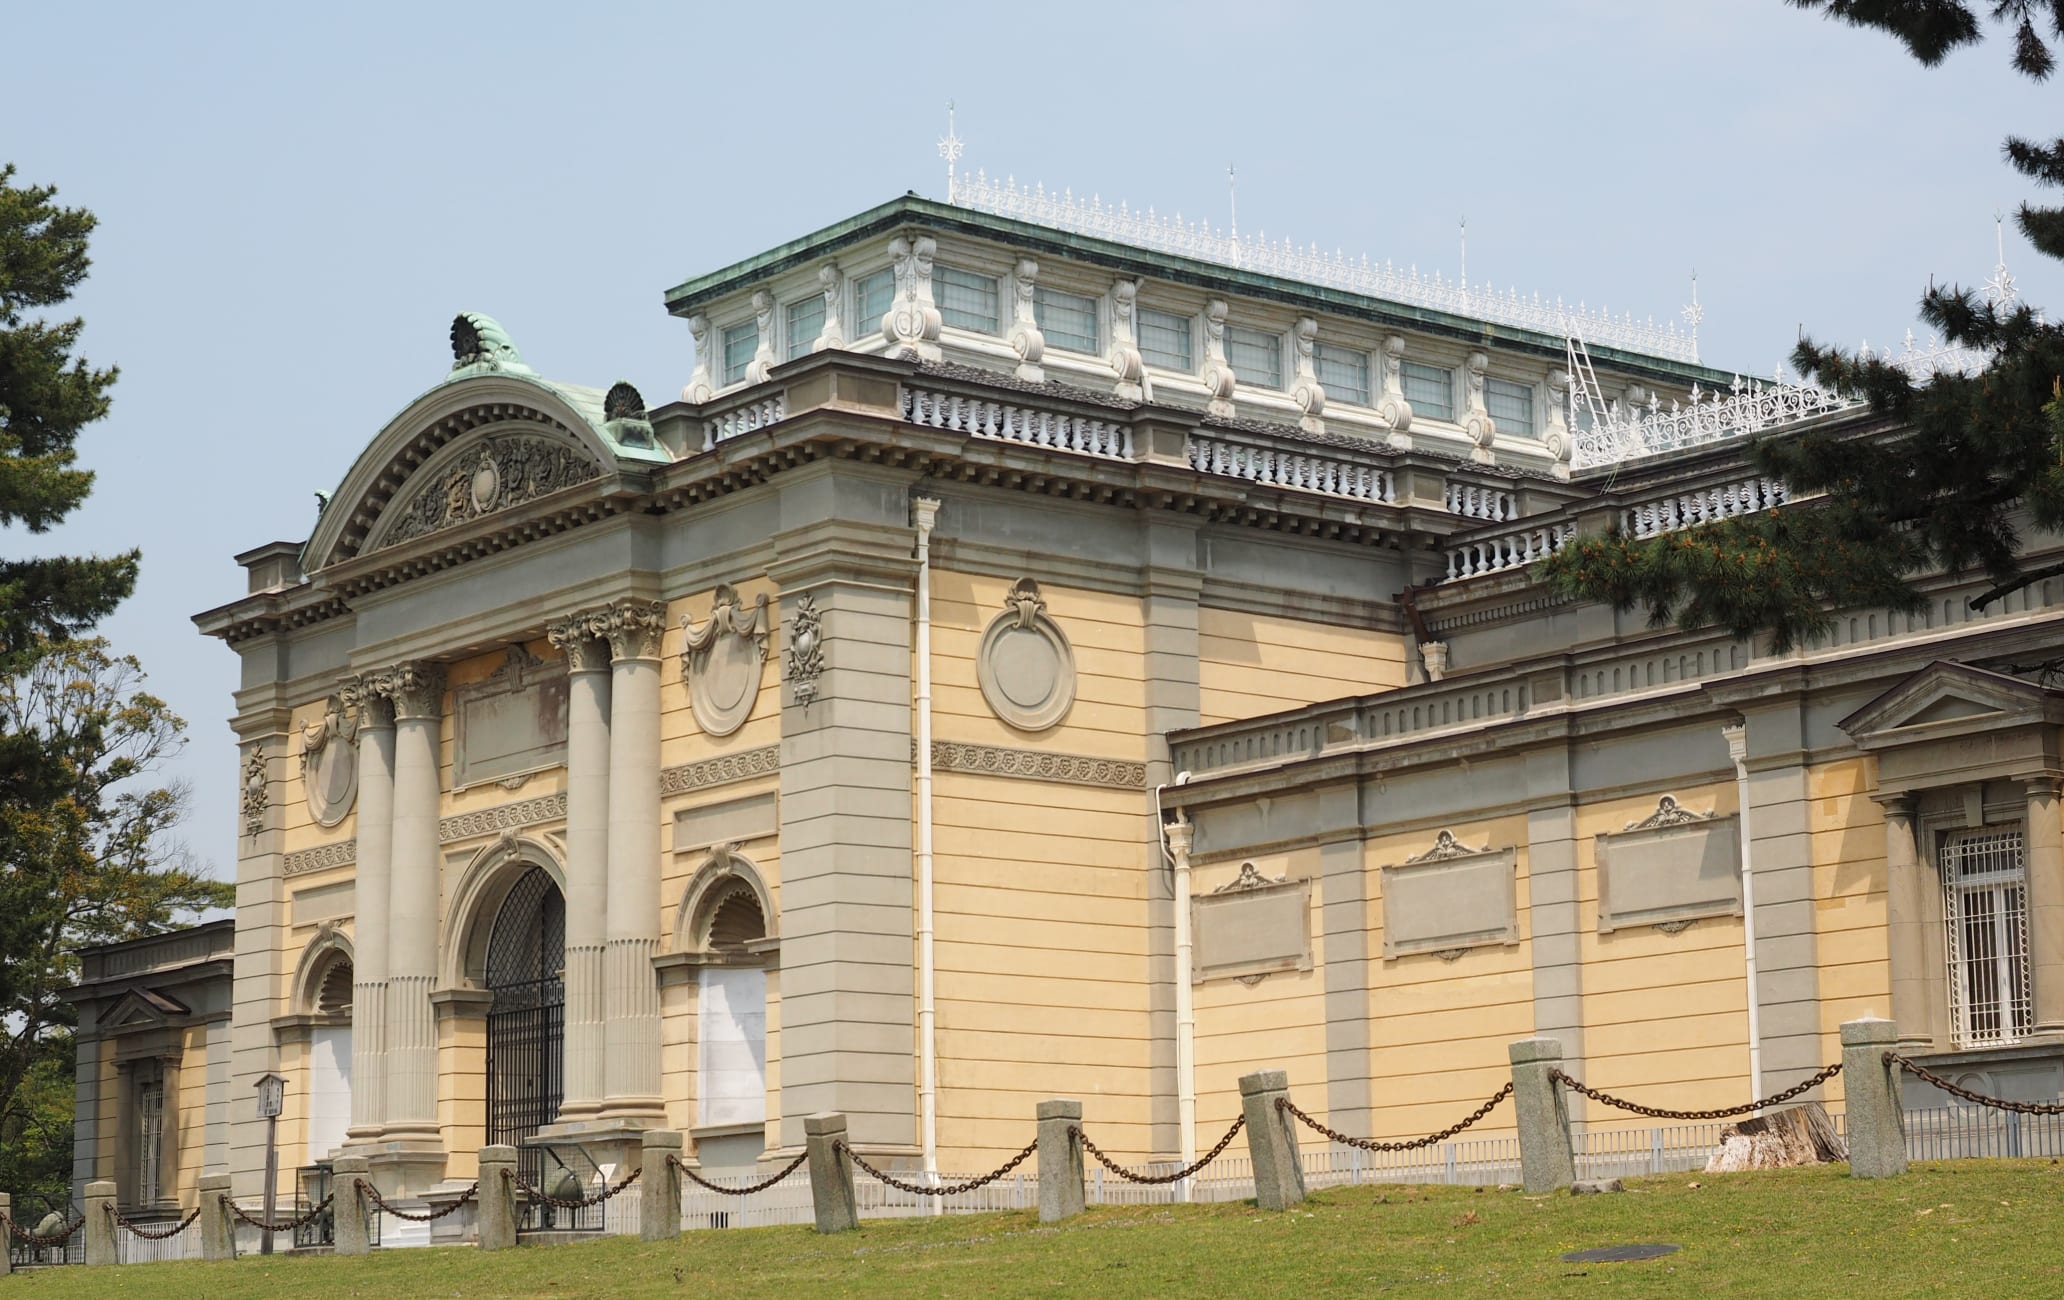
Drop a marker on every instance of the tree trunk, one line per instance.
(1796, 1135)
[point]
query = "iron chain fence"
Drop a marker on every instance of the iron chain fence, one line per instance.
(760, 1186)
(943, 1189)
(288, 1226)
(1718, 1112)
(1367, 1144)
(1151, 1180)
(1928, 1076)
(135, 1229)
(538, 1195)
(366, 1189)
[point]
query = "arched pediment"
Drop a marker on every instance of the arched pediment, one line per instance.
(473, 446)
(329, 947)
(724, 871)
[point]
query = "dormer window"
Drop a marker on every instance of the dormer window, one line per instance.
(967, 301)
(1256, 356)
(1068, 320)
(872, 297)
(1343, 373)
(1430, 389)
(805, 323)
(741, 341)
(1165, 340)
(1511, 406)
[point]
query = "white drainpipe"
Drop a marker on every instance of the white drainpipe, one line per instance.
(926, 510)
(1738, 750)
(1178, 834)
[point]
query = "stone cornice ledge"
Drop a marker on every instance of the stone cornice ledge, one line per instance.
(502, 817)
(742, 766)
(1036, 764)
(321, 858)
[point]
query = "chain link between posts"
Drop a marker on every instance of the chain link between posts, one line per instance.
(1368, 1144)
(1928, 1076)
(538, 1195)
(153, 1234)
(943, 1189)
(1719, 1112)
(1154, 1180)
(366, 1189)
(29, 1237)
(288, 1226)
(759, 1186)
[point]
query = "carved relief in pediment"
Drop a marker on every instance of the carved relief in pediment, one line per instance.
(489, 476)
(721, 661)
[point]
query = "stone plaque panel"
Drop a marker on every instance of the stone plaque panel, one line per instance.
(1450, 899)
(510, 725)
(1251, 927)
(1669, 872)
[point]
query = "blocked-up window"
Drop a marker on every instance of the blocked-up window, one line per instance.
(731, 1011)
(1985, 919)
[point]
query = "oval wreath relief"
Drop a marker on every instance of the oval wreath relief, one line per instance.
(1025, 665)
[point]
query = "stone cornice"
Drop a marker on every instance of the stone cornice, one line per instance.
(502, 817)
(1036, 765)
(302, 861)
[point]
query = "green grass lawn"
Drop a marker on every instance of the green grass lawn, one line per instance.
(1967, 1228)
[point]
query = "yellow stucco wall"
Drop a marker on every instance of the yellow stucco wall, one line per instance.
(1252, 664)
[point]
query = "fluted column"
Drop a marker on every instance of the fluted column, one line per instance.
(631, 986)
(587, 858)
(375, 834)
(413, 908)
(1905, 919)
(2044, 859)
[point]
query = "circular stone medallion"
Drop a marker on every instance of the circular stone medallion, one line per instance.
(1027, 674)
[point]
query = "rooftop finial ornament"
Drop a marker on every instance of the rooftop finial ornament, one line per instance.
(950, 148)
(478, 340)
(1694, 314)
(1999, 290)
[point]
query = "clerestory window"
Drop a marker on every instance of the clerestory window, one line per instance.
(967, 301)
(1511, 406)
(1164, 340)
(741, 342)
(1430, 390)
(805, 323)
(1343, 373)
(1068, 320)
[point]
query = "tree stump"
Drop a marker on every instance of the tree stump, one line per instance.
(1796, 1135)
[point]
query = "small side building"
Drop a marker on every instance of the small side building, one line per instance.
(152, 1106)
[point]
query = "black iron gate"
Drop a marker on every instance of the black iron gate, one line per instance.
(526, 961)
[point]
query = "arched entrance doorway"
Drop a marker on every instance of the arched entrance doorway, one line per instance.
(526, 962)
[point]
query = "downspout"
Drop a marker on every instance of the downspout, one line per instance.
(1738, 749)
(1176, 839)
(926, 512)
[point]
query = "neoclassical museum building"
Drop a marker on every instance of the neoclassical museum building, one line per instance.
(805, 743)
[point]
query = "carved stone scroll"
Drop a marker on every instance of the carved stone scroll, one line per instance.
(1024, 664)
(1476, 417)
(721, 661)
(1026, 339)
(1305, 389)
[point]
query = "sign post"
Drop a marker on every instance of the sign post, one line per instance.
(272, 1095)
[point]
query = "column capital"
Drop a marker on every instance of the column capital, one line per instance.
(364, 697)
(2041, 783)
(413, 690)
(1896, 803)
(585, 645)
(634, 628)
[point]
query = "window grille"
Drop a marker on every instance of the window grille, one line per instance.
(1343, 373)
(1430, 390)
(872, 297)
(740, 343)
(1511, 405)
(966, 301)
(1256, 356)
(1164, 340)
(150, 1133)
(1985, 917)
(805, 323)
(1068, 320)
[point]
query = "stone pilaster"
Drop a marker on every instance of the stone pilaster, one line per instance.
(2043, 856)
(260, 934)
(1344, 923)
(1906, 895)
(1552, 890)
(375, 832)
(1781, 856)
(587, 860)
(630, 986)
(412, 1152)
(844, 561)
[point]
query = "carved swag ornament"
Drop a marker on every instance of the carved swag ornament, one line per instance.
(721, 661)
(329, 762)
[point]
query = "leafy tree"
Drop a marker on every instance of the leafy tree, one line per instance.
(1978, 462)
(47, 396)
(90, 863)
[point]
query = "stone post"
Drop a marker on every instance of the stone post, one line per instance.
(100, 1222)
(1875, 1121)
(375, 830)
(218, 1227)
(659, 1209)
(630, 986)
(6, 1246)
(587, 859)
(831, 1174)
(348, 1208)
(496, 1200)
(1271, 1141)
(413, 1144)
(1546, 1159)
(1060, 1160)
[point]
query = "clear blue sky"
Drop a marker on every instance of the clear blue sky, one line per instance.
(295, 200)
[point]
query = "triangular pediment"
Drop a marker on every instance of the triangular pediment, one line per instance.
(141, 1009)
(1947, 699)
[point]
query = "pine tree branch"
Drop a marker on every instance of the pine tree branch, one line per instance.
(2028, 579)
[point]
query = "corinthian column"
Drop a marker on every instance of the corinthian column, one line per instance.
(631, 1072)
(412, 914)
(375, 832)
(587, 854)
